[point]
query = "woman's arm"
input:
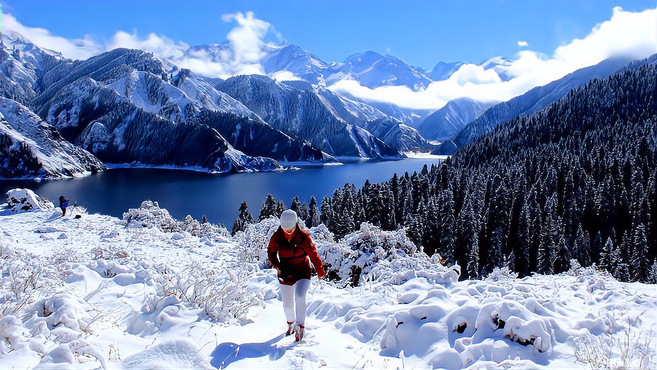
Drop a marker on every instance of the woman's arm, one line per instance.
(311, 251)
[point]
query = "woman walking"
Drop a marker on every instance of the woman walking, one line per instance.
(288, 252)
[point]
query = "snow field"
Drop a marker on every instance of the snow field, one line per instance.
(152, 292)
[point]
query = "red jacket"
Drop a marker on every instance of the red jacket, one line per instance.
(290, 257)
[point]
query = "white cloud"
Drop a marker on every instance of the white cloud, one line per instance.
(245, 46)
(72, 49)
(522, 44)
(625, 34)
(285, 76)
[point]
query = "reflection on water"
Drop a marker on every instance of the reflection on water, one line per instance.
(218, 197)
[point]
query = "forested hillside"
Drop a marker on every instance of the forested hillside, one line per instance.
(576, 180)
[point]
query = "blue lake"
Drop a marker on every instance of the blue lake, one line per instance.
(217, 196)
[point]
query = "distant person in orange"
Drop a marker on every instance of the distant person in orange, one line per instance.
(288, 251)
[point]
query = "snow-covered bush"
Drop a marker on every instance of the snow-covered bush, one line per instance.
(633, 350)
(23, 280)
(22, 200)
(253, 241)
(502, 274)
(372, 254)
(224, 294)
(150, 215)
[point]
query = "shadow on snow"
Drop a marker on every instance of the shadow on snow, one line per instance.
(229, 352)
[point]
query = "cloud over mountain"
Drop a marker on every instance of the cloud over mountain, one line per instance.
(625, 33)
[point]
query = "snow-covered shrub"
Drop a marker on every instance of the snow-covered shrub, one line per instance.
(23, 279)
(502, 274)
(22, 200)
(253, 241)
(224, 294)
(150, 215)
(108, 252)
(372, 254)
(633, 350)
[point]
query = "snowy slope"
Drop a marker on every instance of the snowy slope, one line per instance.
(534, 100)
(33, 148)
(449, 120)
(152, 292)
(21, 66)
(297, 109)
(373, 70)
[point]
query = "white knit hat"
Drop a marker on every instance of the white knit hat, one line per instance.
(288, 219)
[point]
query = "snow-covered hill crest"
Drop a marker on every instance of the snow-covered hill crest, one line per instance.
(33, 148)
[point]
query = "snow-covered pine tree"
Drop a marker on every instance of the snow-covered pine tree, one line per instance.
(549, 235)
(447, 227)
(243, 220)
(296, 205)
(280, 207)
(303, 213)
(639, 255)
(269, 208)
(562, 256)
(582, 247)
(313, 213)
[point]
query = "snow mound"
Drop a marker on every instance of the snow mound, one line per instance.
(24, 200)
(175, 354)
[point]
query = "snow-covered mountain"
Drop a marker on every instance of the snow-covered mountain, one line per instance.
(33, 148)
(530, 102)
(111, 103)
(22, 66)
(294, 59)
(443, 70)
(373, 70)
(299, 110)
(500, 65)
(448, 121)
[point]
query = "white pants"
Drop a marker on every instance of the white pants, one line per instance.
(295, 293)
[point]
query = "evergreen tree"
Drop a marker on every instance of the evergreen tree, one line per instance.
(467, 252)
(313, 214)
(243, 220)
(582, 247)
(522, 263)
(606, 255)
(387, 212)
(296, 205)
(280, 208)
(326, 215)
(549, 237)
(431, 229)
(303, 213)
(562, 256)
(652, 275)
(269, 208)
(495, 251)
(640, 245)
(447, 227)
(473, 259)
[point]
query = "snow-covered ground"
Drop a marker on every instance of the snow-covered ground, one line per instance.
(149, 292)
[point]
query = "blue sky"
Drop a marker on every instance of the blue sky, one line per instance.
(544, 39)
(421, 33)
